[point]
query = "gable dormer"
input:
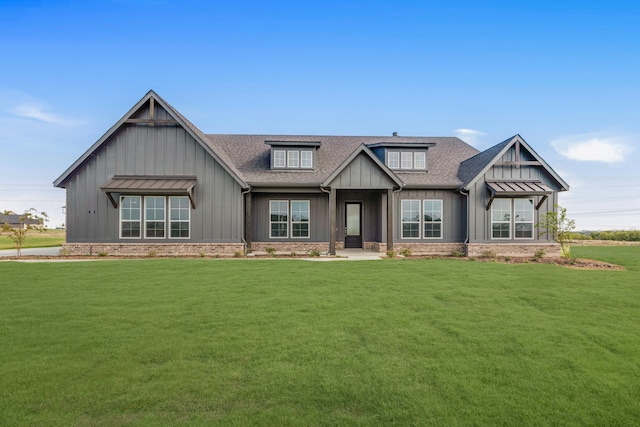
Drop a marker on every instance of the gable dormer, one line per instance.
(293, 155)
(403, 156)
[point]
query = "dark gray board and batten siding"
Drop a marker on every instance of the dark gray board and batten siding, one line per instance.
(162, 151)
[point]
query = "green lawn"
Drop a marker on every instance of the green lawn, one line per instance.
(46, 239)
(291, 342)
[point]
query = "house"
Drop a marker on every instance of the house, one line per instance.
(155, 182)
(18, 221)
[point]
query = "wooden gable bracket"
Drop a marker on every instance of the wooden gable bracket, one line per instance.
(542, 200)
(112, 200)
(493, 196)
(152, 121)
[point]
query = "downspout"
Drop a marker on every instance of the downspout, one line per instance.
(244, 218)
(393, 207)
(328, 210)
(466, 240)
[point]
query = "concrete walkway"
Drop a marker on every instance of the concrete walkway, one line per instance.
(54, 251)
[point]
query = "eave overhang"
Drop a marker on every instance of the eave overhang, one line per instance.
(147, 185)
(517, 188)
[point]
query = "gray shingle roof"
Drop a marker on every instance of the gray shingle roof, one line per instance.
(250, 157)
(471, 167)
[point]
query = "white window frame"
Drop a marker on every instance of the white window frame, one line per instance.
(279, 158)
(406, 160)
(293, 159)
(128, 220)
(393, 159)
(423, 160)
(180, 209)
(271, 222)
(164, 216)
(403, 208)
(516, 221)
(509, 221)
(306, 159)
(425, 221)
(293, 222)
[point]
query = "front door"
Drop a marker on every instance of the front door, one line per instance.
(353, 226)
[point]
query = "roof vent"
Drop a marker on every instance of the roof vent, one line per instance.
(395, 134)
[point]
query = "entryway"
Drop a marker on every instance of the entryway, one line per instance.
(353, 225)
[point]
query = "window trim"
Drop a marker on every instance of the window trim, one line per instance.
(403, 222)
(532, 222)
(271, 236)
(164, 221)
(308, 222)
(121, 221)
(510, 222)
(424, 221)
(188, 220)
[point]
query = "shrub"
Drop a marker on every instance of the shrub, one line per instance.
(538, 255)
(270, 250)
(293, 254)
(202, 254)
(102, 254)
(391, 254)
(314, 252)
(489, 254)
(406, 252)
(457, 254)
(152, 253)
(238, 254)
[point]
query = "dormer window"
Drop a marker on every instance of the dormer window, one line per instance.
(403, 156)
(293, 155)
(407, 160)
(393, 160)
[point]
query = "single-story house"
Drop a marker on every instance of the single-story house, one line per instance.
(155, 182)
(18, 221)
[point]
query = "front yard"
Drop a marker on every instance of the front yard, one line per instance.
(291, 342)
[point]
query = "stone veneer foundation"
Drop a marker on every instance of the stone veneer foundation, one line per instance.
(513, 249)
(153, 249)
(430, 248)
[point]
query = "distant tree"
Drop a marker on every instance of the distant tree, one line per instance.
(558, 224)
(29, 220)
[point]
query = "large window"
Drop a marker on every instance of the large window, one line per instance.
(154, 214)
(130, 215)
(156, 211)
(283, 225)
(411, 219)
(512, 214)
(432, 219)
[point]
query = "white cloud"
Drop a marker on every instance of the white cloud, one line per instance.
(37, 112)
(24, 106)
(593, 148)
(471, 136)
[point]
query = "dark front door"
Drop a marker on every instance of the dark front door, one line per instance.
(353, 225)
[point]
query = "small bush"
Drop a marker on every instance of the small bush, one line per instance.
(391, 254)
(489, 254)
(152, 253)
(238, 254)
(102, 254)
(406, 252)
(507, 258)
(539, 254)
(293, 254)
(202, 255)
(457, 254)
(314, 253)
(270, 250)
(64, 252)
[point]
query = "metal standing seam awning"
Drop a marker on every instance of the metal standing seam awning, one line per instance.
(517, 188)
(138, 184)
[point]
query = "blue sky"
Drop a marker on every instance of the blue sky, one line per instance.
(564, 75)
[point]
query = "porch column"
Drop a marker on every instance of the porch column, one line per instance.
(390, 219)
(247, 220)
(332, 221)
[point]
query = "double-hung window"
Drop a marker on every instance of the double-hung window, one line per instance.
(130, 216)
(306, 159)
(154, 215)
(393, 159)
(293, 159)
(279, 158)
(512, 214)
(411, 219)
(419, 160)
(406, 160)
(283, 225)
(432, 219)
(179, 212)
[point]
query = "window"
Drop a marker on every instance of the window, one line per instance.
(306, 159)
(419, 160)
(393, 159)
(501, 219)
(154, 210)
(130, 217)
(406, 160)
(523, 218)
(155, 217)
(278, 218)
(280, 222)
(293, 159)
(411, 219)
(299, 218)
(279, 158)
(179, 212)
(432, 219)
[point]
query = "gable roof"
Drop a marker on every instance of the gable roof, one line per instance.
(472, 169)
(367, 152)
(198, 135)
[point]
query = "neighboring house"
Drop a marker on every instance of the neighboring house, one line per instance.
(18, 221)
(155, 182)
